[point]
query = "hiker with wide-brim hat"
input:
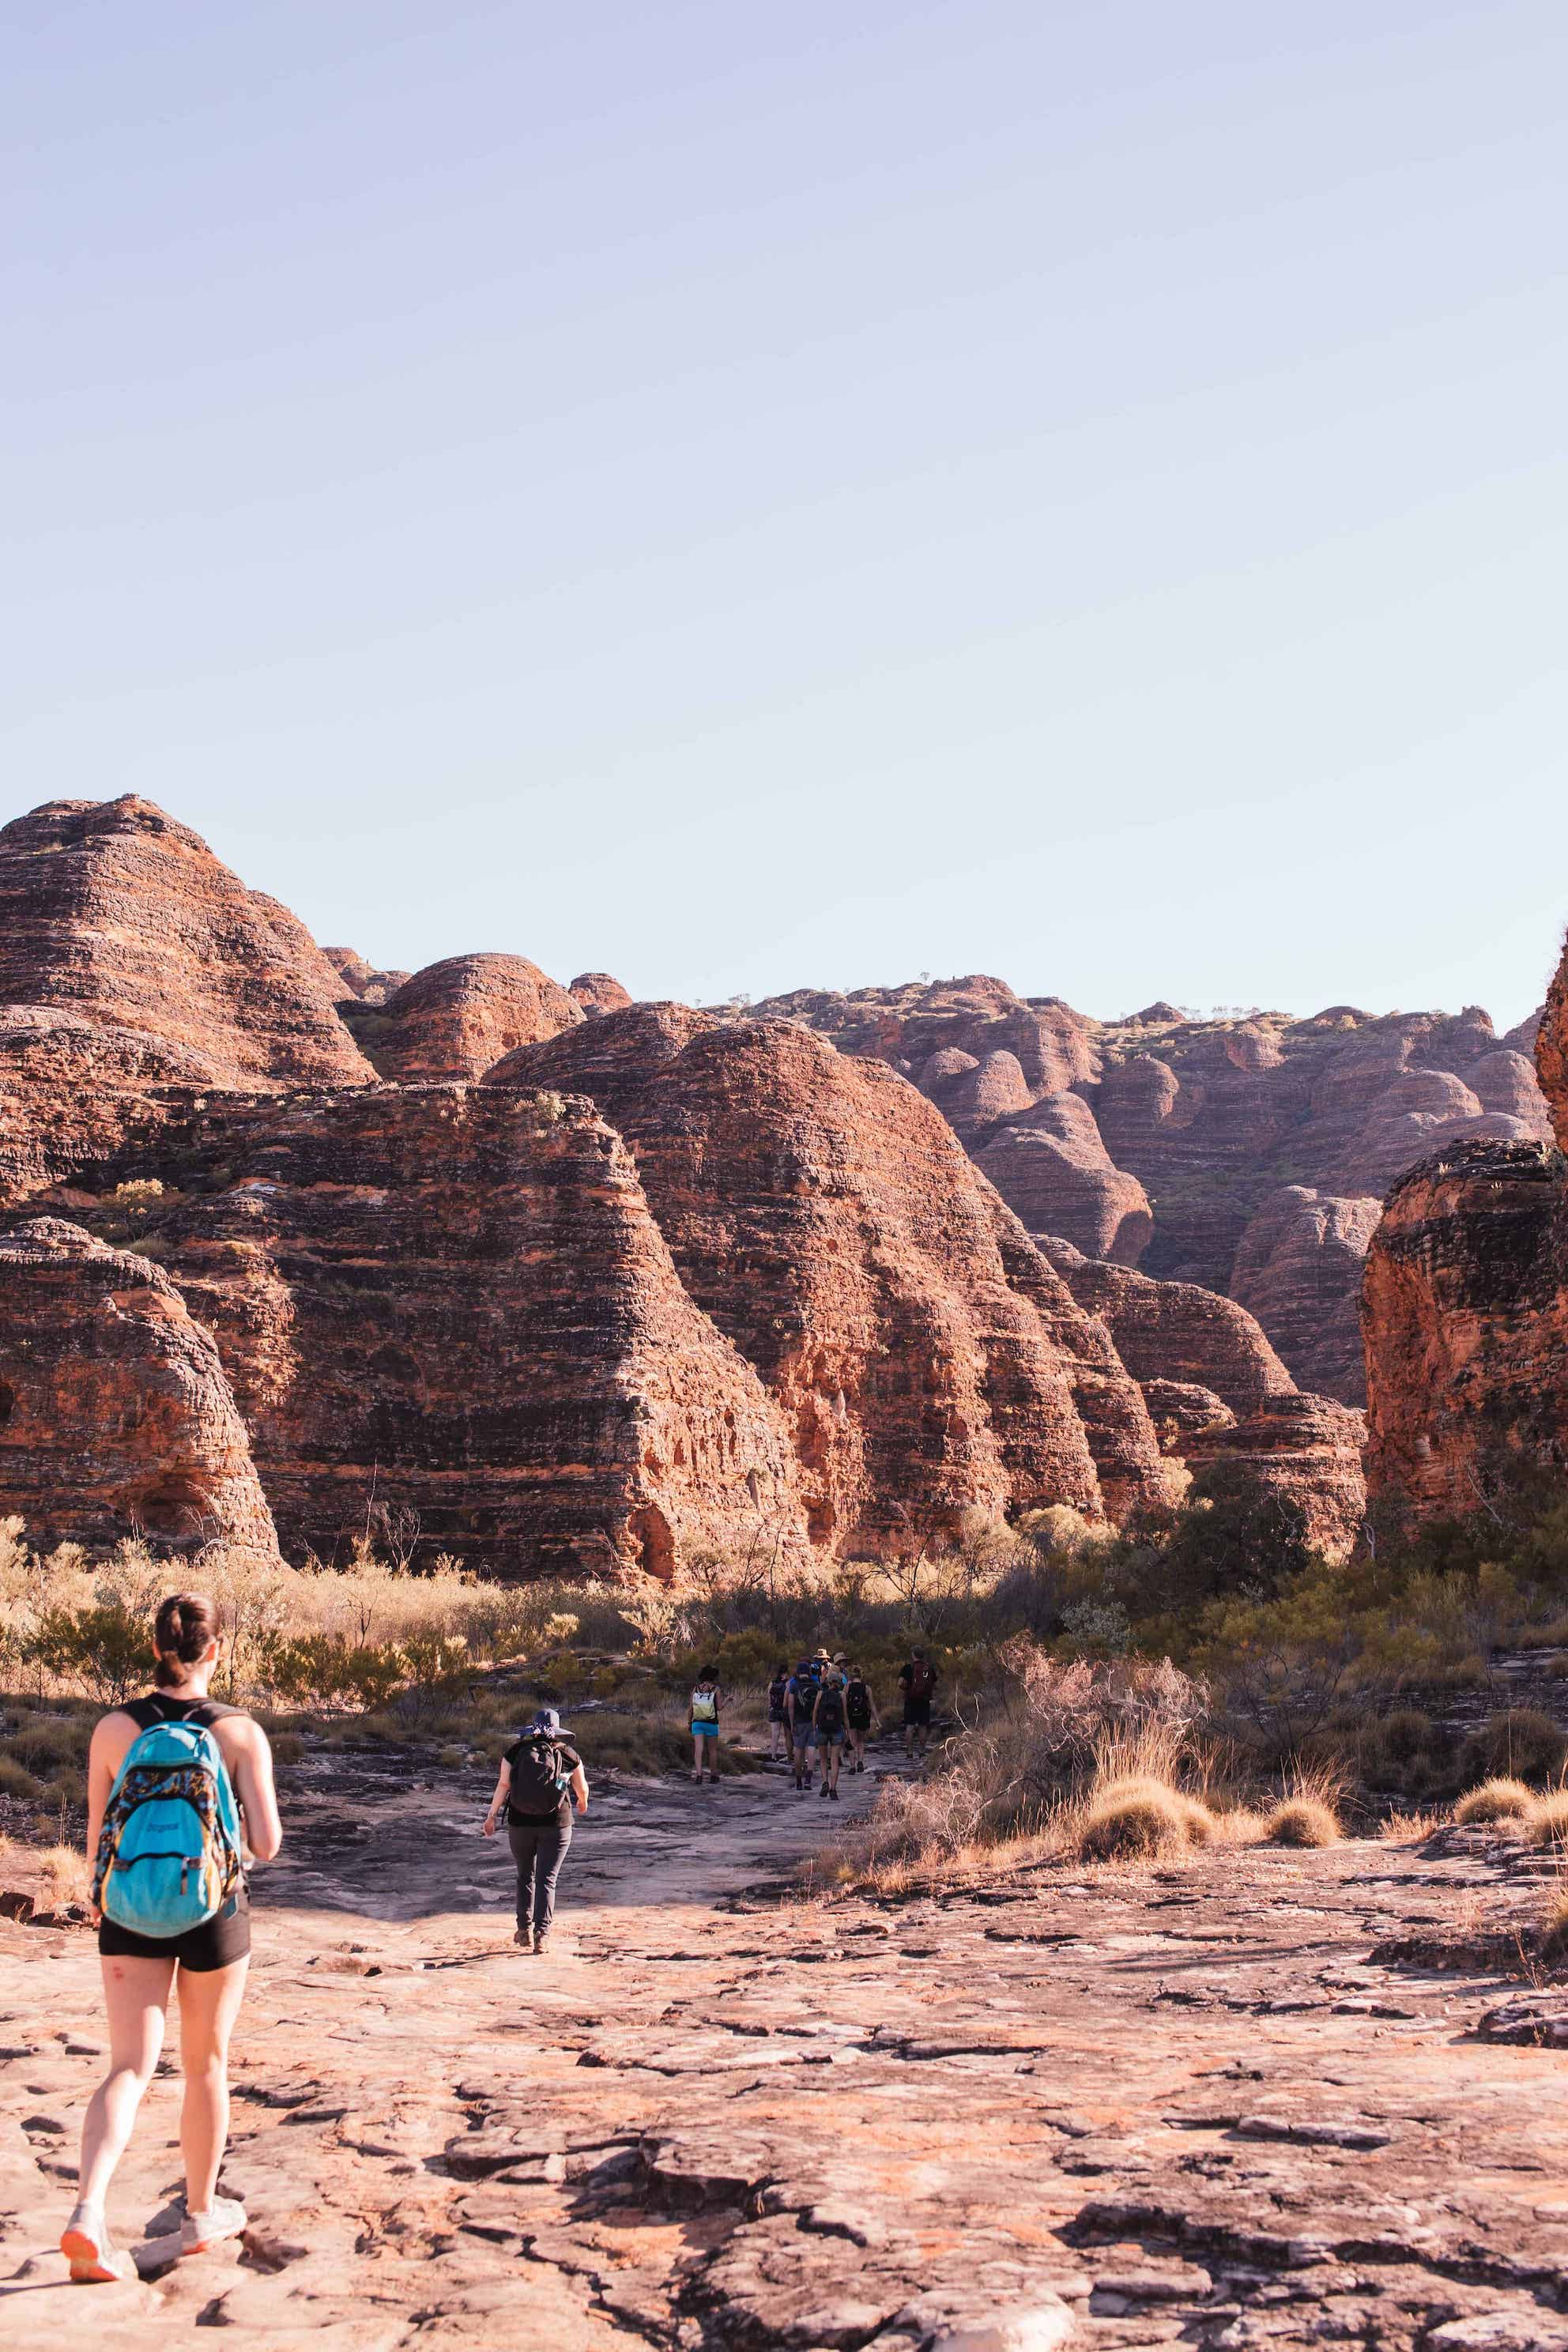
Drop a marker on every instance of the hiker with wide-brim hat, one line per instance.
(541, 1779)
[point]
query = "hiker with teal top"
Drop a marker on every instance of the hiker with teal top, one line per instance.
(179, 1797)
(705, 1726)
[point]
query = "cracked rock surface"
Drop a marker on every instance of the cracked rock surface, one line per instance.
(1115, 2108)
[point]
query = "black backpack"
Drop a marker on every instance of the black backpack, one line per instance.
(830, 1709)
(805, 1694)
(777, 1689)
(539, 1779)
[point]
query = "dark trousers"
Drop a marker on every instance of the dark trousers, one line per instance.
(539, 1850)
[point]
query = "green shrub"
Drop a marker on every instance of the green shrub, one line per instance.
(106, 1651)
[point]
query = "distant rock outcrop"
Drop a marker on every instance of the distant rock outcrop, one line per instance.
(453, 1303)
(1298, 1269)
(926, 1358)
(1176, 1331)
(454, 1018)
(363, 979)
(1051, 1166)
(1249, 1154)
(598, 992)
(115, 1416)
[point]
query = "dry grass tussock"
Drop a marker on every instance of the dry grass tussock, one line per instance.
(1302, 1821)
(1408, 1829)
(1018, 1772)
(1500, 1799)
(1547, 1820)
(61, 1870)
(1141, 1820)
(1554, 1923)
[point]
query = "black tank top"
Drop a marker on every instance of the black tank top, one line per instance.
(158, 1707)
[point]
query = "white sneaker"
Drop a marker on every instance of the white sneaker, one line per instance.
(94, 2258)
(200, 2230)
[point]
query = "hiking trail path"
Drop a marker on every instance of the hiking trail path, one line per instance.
(1121, 2106)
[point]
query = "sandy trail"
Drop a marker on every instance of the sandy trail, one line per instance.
(1180, 2104)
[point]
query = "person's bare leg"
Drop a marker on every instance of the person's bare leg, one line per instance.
(209, 2003)
(136, 1996)
(697, 1756)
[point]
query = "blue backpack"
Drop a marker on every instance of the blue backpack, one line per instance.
(168, 1857)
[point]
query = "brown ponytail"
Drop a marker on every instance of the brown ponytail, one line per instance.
(185, 1624)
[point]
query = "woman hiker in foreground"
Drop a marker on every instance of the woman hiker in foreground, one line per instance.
(539, 1778)
(164, 1835)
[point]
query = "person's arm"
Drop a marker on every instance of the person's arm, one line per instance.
(578, 1785)
(258, 1796)
(503, 1782)
(100, 1782)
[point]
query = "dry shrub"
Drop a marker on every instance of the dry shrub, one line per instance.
(1302, 1821)
(65, 1874)
(1547, 1820)
(1495, 1801)
(1238, 1825)
(1406, 1829)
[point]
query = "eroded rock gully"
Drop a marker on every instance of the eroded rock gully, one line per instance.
(1117, 2109)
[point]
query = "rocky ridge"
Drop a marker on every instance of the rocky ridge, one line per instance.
(457, 1300)
(926, 1357)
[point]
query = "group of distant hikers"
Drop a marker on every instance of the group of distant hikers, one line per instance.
(180, 1797)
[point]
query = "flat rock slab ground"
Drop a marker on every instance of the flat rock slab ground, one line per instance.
(1119, 2107)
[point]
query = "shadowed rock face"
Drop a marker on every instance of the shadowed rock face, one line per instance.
(1247, 1155)
(926, 1357)
(1215, 1390)
(1305, 1449)
(1465, 1305)
(456, 1302)
(1465, 1310)
(454, 1019)
(1298, 1269)
(131, 959)
(115, 1414)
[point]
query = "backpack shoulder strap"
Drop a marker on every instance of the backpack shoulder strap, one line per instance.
(146, 1714)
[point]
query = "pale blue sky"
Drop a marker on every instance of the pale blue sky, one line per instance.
(748, 496)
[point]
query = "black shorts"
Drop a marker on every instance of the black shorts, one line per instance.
(859, 1723)
(916, 1711)
(218, 1943)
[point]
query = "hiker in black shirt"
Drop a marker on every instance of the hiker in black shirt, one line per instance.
(828, 1717)
(778, 1716)
(917, 1680)
(860, 1710)
(539, 1780)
